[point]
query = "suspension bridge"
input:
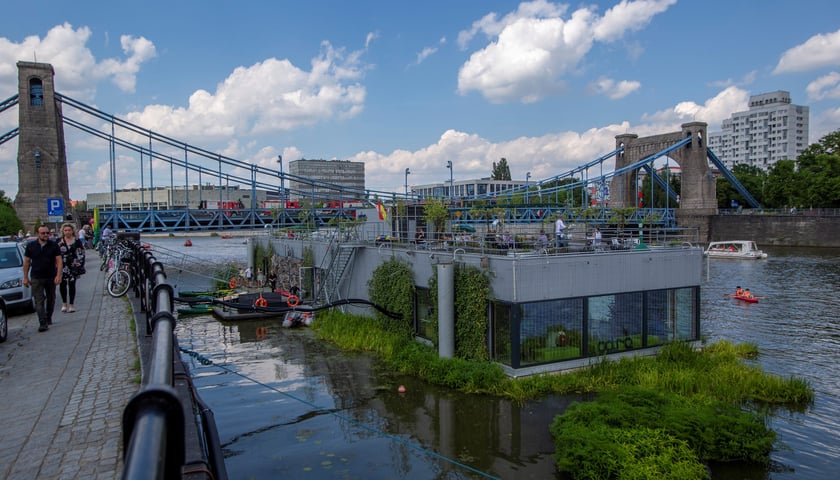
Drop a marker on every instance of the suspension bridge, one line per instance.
(42, 110)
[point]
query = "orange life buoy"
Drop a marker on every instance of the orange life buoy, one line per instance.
(261, 302)
(232, 283)
(293, 301)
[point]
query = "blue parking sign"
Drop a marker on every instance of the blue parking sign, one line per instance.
(55, 209)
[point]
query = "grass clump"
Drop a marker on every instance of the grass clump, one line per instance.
(636, 432)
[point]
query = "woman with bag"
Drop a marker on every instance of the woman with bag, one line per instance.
(73, 257)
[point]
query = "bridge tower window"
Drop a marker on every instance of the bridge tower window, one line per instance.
(36, 92)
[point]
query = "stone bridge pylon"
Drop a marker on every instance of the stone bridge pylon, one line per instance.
(41, 160)
(698, 192)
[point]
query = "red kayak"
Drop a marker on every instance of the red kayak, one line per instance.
(745, 299)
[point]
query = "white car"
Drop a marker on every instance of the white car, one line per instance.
(12, 290)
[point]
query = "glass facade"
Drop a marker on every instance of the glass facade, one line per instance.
(424, 325)
(555, 330)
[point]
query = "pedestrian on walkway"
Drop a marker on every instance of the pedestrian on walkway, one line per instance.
(42, 270)
(73, 264)
(560, 232)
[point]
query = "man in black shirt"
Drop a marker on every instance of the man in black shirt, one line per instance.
(42, 270)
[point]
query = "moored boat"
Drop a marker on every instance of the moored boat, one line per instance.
(735, 249)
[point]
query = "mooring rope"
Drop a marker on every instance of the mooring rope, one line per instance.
(206, 361)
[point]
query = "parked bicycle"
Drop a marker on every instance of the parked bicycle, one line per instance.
(117, 260)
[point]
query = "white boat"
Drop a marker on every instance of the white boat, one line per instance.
(738, 249)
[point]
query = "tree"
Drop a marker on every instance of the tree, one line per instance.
(9, 221)
(780, 189)
(501, 171)
(818, 173)
(436, 214)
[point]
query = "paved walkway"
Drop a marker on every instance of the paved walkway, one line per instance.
(62, 392)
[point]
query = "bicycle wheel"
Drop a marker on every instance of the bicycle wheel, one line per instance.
(118, 283)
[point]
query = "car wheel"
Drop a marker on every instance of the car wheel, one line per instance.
(4, 324)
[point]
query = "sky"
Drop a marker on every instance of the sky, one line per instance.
(546, 85)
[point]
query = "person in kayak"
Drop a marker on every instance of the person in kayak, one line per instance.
(747, 294)
(739, 291)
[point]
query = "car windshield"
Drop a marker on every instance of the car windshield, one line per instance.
(10, 258)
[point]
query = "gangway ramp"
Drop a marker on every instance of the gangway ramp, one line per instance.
(177, 262)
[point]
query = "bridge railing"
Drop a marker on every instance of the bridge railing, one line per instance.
(154, 425)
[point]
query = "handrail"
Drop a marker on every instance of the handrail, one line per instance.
(153, 420)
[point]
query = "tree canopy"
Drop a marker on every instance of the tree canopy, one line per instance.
(501, 170)
(9, 221)
(812, 180)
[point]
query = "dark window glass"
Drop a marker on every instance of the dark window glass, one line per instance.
(36, 92)
(551, 331)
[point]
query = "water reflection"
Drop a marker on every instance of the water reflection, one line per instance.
(287, 425)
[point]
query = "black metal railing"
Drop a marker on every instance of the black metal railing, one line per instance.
(154, 421)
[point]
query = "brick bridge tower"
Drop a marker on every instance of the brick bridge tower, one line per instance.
(698, 192)
(42, 160)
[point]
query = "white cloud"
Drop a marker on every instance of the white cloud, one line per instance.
(822, 50)
(428, 51)
(713, 112)
(628, 15)
(65, 48)
(270, 96)
(747, 79)
(827, 86)
(424, 54)
(533, 48)
(369, 38)
(824, 123)
(473, 156)
(612, 89)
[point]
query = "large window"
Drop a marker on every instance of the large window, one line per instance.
(615, 323)
(551, 331)
(671, 315)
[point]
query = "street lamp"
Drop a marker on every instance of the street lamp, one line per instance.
(282, 190)
(451, 184)
(527, 186)
(407, 172)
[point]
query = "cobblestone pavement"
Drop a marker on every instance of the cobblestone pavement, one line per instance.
(62, 392)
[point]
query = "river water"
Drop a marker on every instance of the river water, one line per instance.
(289, 406)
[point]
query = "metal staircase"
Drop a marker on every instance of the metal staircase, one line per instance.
(340, 259)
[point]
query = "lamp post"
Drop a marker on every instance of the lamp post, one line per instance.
(282, 190)
(407, 172)
(527, 185)
(451, 183)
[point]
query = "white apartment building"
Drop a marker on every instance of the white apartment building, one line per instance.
(772, 129)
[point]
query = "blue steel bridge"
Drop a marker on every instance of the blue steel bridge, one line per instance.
(568, 193)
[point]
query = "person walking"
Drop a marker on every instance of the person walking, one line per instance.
(73, 263)
(560, 231)
(42, 271)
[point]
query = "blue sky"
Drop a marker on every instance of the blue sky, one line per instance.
(415, 84)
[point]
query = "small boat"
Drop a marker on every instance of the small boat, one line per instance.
(188, 243)
(736, 249)
(196, 309)
(226, 236)
(745, 299)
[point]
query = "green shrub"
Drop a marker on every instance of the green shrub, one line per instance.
(630, 420)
